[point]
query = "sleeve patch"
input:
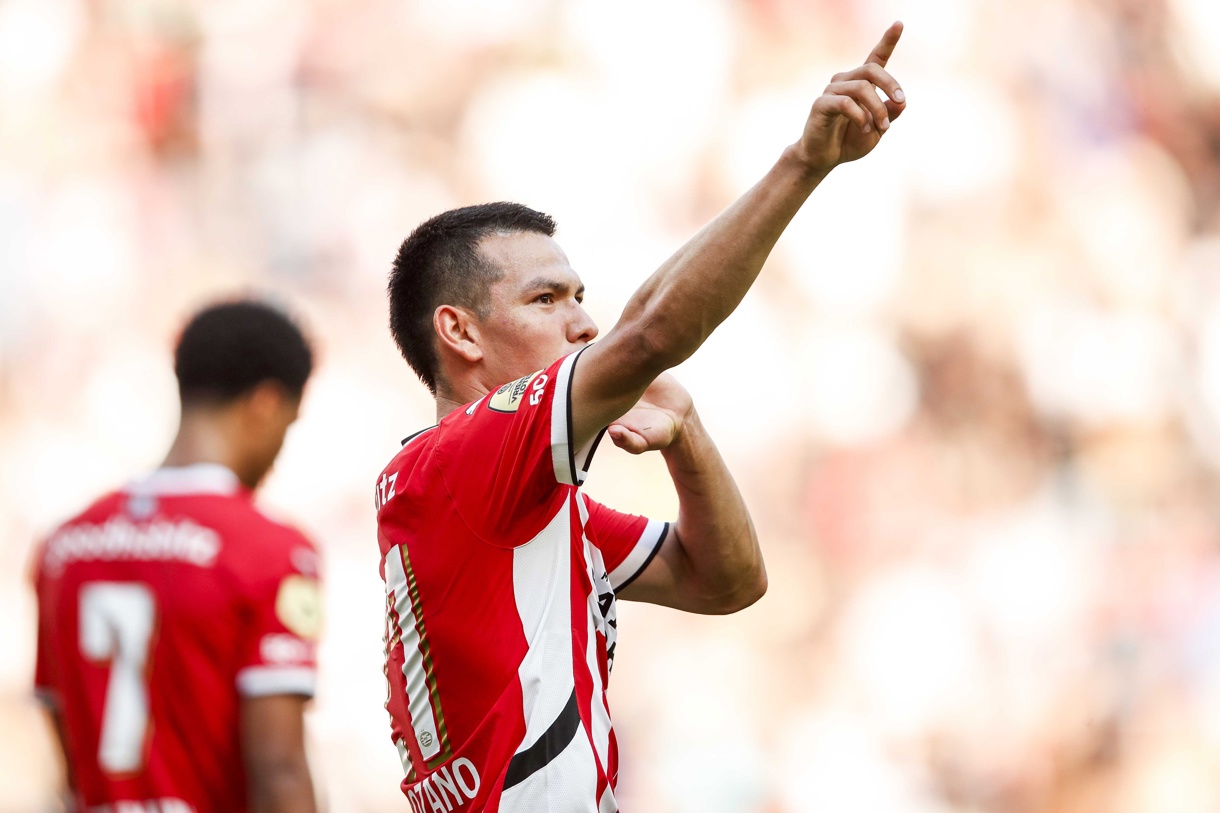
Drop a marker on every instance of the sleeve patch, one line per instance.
(509, 397)
(298, 605)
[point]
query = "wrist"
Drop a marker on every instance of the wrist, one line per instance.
(809, 170)
(687, 439)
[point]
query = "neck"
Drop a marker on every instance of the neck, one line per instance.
(455, 395)
(203, 438)
(444, 406)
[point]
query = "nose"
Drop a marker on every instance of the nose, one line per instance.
(582, 328)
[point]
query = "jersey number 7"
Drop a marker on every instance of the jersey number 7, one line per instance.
(116, 626)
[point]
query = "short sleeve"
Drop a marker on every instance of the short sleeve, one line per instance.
(628, 543)
(508, 458)
(278, 647)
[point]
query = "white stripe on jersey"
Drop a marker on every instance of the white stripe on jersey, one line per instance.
(649, 540)
(608, 804)
(567, 784)
(571, 465)
(404, 757)
(260, 681)
(419, 704)
(597, 705)
(595, 568)
(542, 587)
(561, 451)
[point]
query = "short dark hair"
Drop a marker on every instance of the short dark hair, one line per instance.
(440, 264)
(229, 348)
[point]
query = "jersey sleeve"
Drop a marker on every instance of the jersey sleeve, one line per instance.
(508, 458)
(628, 543)
(283, 612)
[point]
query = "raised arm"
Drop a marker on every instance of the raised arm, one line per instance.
(679, 306)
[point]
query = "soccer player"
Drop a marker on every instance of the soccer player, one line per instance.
(501, 576)
(176, 622)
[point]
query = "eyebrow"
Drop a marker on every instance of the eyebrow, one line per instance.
(549, 284)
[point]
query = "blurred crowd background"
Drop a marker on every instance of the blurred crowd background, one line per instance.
(974, 401)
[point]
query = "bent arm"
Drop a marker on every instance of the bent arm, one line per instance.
(711, 561)
(273, 748)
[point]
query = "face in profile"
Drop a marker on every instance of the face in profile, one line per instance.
(536, 315)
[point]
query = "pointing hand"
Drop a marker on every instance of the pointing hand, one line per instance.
(849, 118)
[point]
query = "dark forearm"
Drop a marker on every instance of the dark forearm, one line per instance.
(714, 529)
(273, 746)
(55, 718)
(282, 788)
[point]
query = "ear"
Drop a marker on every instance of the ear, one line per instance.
(269, 400)
(458, 330)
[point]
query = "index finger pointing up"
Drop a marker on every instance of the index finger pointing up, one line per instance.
(885, 49)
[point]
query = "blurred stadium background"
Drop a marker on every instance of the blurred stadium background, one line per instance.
(974, 401)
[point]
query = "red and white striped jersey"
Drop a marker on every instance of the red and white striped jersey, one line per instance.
(500, 617)
(159, 608)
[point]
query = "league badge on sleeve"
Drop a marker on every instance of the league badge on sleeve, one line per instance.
(508, 398)
(298, 606)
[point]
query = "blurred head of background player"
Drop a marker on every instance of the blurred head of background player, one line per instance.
(482, 295)
(241, 368)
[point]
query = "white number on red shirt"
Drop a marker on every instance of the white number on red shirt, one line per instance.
(116, 626)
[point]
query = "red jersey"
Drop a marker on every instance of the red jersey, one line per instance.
(159, 608)
(500, 617)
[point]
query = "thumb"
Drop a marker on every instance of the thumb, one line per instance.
(627, 440)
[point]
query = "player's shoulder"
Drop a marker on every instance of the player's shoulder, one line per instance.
(278, 530)
(106, 505)
(520, 395)
(413, 453)
(261, 548)
(236, 516)
(413, 448)
(99, 511)
(262, 531)
(529, 390)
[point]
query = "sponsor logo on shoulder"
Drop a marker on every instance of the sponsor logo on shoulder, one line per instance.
(508, 398)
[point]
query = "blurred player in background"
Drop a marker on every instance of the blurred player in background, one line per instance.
(500, 575)
(177, 623)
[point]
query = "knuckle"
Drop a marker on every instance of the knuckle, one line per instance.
(863, 93)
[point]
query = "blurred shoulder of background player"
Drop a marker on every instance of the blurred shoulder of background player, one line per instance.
(177, 623)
